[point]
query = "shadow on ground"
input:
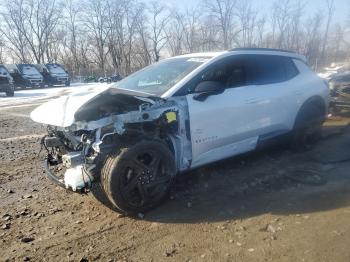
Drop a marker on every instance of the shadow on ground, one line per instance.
(259, 182)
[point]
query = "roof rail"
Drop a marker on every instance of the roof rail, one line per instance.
(260, 49)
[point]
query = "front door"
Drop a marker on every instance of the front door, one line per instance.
(229, 123)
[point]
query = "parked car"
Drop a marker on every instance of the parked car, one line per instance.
(6, 82)
(54, 74)
(334, 69)
(25, 75)
(116, 78)
(339, 86)
(105, 80)
(90, 79)
(181, 113)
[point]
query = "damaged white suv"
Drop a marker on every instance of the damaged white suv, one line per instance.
(178, 114)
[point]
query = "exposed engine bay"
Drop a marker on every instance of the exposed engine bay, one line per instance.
(109, 122)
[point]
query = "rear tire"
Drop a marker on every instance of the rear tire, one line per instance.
(308, 128)
(138, 177)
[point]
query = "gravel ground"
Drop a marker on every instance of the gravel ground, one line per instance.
(247, 208)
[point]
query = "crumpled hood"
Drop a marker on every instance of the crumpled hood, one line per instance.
(62, 111)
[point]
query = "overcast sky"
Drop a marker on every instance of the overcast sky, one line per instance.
(341, 15)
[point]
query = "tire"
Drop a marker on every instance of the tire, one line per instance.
(307, 128)
(10, 92)
(307, 177)
(139, 177)
(67, 83)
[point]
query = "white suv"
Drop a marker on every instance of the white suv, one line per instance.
(131, 139)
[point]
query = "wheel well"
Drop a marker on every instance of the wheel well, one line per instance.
(170, 143)
(314, 101)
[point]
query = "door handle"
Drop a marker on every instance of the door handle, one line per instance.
(252, 100)
(299, 93)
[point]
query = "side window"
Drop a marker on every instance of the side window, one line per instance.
(269, 69)
(229, 71)
(290, 67)
(265, 69)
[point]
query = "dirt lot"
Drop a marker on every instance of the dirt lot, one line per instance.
(242, 209)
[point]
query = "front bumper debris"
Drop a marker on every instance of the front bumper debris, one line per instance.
(76, 179)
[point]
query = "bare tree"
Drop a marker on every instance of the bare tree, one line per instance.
(2, 47)
(247, 17)
(159, 17)
(110, 36)
(39, 21)
(330, 12)
(98, 30)
(144, 54)
(175, 33)
(12, 28)
(191, 23)
(72, 12)
(312, 39)
(223, 13)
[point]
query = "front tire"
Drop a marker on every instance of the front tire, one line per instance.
(138, 177)
(11, 91)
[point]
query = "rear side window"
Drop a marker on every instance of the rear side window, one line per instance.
(269, 69)
(290, 67)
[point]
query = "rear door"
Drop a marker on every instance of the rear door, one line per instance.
(277, 88)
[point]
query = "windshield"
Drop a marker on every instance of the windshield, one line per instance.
(158, 78)
(29, 70)
(55, 69)
(3, 70)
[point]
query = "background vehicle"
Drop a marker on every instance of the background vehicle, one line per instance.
(339, 86)
(54, 74)
(105, 79)
(116, 78)
(25, 75)
(6, 81)
(179, 114)
(90, 79)
(334, 69)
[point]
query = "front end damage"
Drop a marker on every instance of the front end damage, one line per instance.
(69, 162)
(108, 123)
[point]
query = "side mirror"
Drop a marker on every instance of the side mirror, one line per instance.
(208, 88)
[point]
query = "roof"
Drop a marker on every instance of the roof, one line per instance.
(263, 51)
(204, 54)
(269, 51)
